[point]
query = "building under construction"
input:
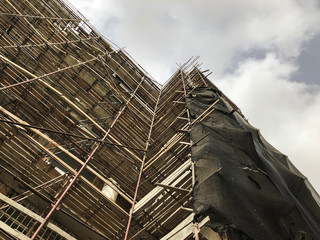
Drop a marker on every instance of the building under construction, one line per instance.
(92, 147)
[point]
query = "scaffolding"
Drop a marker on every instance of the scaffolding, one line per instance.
(77, 113)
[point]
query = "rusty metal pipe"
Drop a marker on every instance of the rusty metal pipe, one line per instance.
(54, 207)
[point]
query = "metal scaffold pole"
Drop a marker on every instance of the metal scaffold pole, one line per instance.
(141, 168)
(76, 176)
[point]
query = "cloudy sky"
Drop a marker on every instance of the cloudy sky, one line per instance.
(265, 55)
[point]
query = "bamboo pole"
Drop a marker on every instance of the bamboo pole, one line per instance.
(54, 207)
(205, 83)
(64, 98)
(141, 168)
(189, 123)
(70, 134)
(48, 44)
(28, 193)
(114, 187)
(34, 29)
(35, 216)
(41, 17)
(42, 76)
(205, 111)
(159, 216)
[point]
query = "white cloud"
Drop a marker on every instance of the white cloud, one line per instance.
(224, 33)
(160, 33)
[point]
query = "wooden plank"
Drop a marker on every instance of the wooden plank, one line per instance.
(205, 111)
(13, 232)
(183, 118)
(35, 216)
(156, 190)
(172, 188)
(179, 102)
(184, 229)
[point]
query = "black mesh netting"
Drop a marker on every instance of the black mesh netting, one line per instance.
(242, 181)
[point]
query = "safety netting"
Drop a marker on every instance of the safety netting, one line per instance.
(242, 182)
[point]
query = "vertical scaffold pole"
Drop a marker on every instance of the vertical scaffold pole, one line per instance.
(54, 207)
(142, 166)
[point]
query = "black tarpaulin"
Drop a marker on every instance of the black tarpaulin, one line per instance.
(242, 181)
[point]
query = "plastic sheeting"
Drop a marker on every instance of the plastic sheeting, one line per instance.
(244, 183)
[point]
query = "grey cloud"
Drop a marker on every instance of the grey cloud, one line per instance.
(309, 62)
(242, 56)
